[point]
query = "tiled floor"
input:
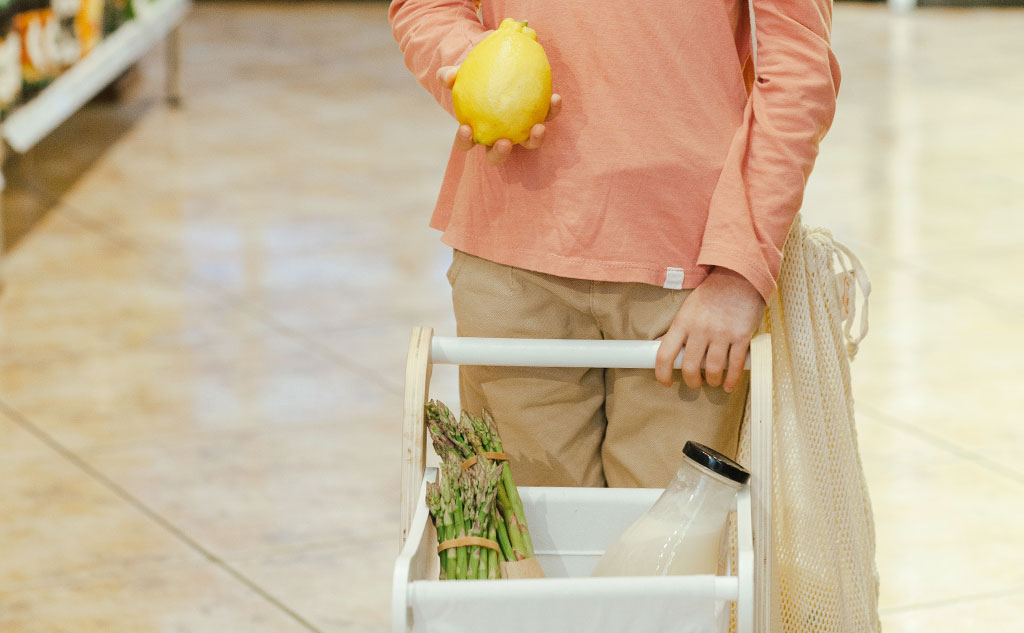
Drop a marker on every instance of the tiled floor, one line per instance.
(202, 340)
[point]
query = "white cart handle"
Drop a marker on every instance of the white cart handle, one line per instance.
(517, 352)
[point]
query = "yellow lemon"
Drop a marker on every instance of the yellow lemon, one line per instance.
(503, 88)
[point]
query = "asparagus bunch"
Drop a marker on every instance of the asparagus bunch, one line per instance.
(509, 503)
(462, 505)
(456, 440)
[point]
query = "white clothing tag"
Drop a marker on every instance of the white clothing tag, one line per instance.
(674, 278)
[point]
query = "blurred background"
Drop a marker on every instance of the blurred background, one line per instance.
(215, 244)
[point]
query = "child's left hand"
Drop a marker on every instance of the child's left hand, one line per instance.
(502, 148)
(716, 323)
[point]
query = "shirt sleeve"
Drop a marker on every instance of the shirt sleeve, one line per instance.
(432, 34)
(790, 108)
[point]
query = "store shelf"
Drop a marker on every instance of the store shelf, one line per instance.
(31, 122)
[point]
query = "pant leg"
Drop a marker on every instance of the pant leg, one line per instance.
(551, 420)
(649, 424)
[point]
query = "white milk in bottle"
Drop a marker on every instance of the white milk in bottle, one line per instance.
(682, 532)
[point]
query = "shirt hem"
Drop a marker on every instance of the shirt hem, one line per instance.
(580, 267)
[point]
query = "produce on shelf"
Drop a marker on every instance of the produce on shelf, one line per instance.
(79, 28)
(476, 497)
(67, 47)
(37, 26)
(116, 13)
(89, 24)
(39, 39)
(10, 58)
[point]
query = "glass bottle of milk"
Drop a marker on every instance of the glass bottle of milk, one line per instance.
(682, 532)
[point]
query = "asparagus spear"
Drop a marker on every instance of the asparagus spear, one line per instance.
(492, 556)
(442, 423)
(513, 529)
(469, 431)
(448, 507)
(502, 535)
(469, 515)
(434, 505)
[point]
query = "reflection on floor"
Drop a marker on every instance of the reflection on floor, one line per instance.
(202, 342)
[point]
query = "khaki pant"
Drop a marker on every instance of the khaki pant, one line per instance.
(583, 427)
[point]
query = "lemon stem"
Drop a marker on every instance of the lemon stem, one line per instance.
(525, 22)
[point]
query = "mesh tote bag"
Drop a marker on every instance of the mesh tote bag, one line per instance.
(819, 567)
(819, 562)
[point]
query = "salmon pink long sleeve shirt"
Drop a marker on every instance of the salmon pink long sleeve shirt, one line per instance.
(667, 159)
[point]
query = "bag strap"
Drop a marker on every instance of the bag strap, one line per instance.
(851, 265)
(852, 284)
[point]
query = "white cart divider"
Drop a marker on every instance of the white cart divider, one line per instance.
(571, 527)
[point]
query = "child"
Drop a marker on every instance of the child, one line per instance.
(654, 205)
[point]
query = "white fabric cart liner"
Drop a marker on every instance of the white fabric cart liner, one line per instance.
(673, 604)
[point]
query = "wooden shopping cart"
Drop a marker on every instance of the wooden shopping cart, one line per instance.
(571, 527)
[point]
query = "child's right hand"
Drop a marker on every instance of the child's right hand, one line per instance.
(502, 148)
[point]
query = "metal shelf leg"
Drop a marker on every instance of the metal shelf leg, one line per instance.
(172, 56)
(3, 186)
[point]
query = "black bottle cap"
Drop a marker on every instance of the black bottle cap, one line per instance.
(716, 462)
